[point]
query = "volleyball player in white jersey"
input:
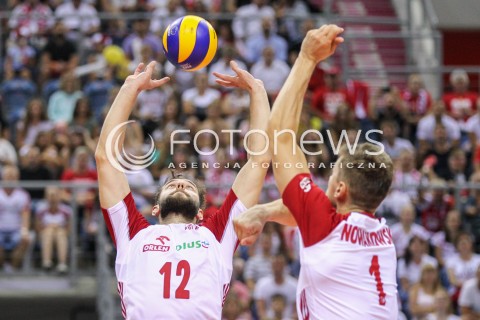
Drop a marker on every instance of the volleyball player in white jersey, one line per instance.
(177, 269)
(347, 256)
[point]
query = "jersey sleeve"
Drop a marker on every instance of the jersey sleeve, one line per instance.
(315, 215)
(123, 222)
(221, 224)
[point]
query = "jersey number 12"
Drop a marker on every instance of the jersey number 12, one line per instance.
(183, 269)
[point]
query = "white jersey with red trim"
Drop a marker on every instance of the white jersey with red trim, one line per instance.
(173, 271)
(348, 261)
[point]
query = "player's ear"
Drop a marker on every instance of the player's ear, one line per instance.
(199, 215)
(156, 210)
(341, 191)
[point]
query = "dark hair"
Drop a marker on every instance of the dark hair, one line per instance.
(77, 107)
(200, 187)
(408, 255)
(368, 176)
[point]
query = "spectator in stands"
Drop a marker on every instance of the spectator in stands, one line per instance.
(80, 171)
(34, 121)
(417, 102)
(79, 17)
(426, 130)
(328, 98)
(406, 229)
(164, 15)
(392, 143)
(53, 225)
(32, 169)
(278, 283)
(290, 14)
(460, 102)
(197, 100)
(232, 309)
(151, 106)
(444, 241)
(220, 177)
(472, 127)
(392, 205)
(97, 90)
(435, 157)
(49, 154)
(273, 72)
(83, 117)
(422, 294)
(58, 56)
(463, 265)
(17, 89)
(267, 38)
(443, 308)
(248, 18)
(8, 154)
(406, 177)
(409, 268)
(458, 171)
(14, 221)
(469, 300)
(259, 265)
(20, 54)
(31, 17)
(471, 211)
(132, 45)
(61, 104)
(434, 207)
(387, 104)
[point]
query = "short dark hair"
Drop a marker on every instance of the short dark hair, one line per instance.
(368, 176)
(200, 187)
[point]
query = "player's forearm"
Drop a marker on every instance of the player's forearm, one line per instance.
(276, 211)
(119, 112)
(259, 114)
(288, 105)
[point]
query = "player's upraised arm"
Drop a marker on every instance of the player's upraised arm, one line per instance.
(249, 181)
(113, 185)
(288, 159)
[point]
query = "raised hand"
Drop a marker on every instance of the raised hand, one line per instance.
(142, 77)
(321, 43)
(243, 79)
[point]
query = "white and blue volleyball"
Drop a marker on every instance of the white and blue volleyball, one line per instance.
(190, 43)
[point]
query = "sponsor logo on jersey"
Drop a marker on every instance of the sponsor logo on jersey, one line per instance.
(191, 226)
(163, 247)
(306, 184)
(193, 245)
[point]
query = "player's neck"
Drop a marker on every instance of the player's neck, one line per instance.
(175, 218)
(347, 208)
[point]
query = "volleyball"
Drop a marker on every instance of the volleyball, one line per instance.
(190, 43)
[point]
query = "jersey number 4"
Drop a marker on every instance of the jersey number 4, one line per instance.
(183, 269)
(375, 271)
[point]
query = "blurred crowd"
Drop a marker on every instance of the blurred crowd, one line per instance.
(62, 67)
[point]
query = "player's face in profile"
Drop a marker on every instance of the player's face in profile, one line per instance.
(179, 196)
